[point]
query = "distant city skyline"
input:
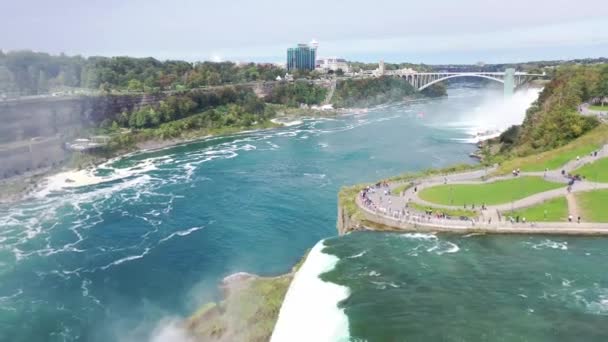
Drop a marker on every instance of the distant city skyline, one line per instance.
(432, 32)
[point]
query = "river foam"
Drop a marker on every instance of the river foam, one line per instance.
(310, 310)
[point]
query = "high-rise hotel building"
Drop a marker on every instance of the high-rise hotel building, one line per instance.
(302, 57)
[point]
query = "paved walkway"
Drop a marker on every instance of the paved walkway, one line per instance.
(572, 206)
(380, 203)
(585, 110)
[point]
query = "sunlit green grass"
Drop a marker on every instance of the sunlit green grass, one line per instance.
(595, 172)
(560, 159)
(593, 205)
(554, 159)
(449, 212)
(491, 193)
(554, 210)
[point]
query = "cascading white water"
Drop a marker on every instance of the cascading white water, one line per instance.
(495, 114)
(310, 310)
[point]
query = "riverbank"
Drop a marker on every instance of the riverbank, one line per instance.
(78, 170)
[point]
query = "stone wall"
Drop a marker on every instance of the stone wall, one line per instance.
(34, 131)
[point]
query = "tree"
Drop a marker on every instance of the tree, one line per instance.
(135, 85)
(43, 85)
(114, 127)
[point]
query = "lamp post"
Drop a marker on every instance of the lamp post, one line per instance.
(451, 195)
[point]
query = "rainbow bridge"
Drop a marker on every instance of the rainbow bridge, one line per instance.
(422, 80)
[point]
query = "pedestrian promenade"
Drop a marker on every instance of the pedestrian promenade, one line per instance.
(397, 210)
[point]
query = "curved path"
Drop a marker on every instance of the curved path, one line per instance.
(389, 209)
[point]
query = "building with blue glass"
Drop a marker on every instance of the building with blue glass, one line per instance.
(302, 57)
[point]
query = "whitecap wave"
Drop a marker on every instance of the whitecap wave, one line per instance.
(443, 248)
(126, 259)
(12, 296)
(550, 244)
(181, 233)
(419, 236)
(87, 177)
(592, 300)
(358, 255)
(315, 175)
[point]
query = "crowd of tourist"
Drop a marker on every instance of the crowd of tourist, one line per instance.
(405, 214)
(383, 205)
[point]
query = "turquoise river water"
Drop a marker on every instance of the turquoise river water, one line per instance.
(147, 238)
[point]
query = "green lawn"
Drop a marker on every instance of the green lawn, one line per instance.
(449, 212)
(600, 108)
(491, 193)
(558, 160)
(554, 210)
(596, 171)
(593, 205)
(554, 159)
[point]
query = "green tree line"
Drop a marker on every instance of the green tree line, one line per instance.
(32, 73)
(176, 107)
(372, 91)
(292, 94)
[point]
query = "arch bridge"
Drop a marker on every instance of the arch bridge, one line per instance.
(510, 78)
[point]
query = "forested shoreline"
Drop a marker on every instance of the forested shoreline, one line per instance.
(554, 119)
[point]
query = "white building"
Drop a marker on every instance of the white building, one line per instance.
(332, 63)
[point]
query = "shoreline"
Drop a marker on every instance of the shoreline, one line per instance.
(23, 187)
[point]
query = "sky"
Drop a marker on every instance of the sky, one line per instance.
(427, 31)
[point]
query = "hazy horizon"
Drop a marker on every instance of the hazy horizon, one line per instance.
(368, 60)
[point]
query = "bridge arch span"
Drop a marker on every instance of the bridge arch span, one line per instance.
(460, 75)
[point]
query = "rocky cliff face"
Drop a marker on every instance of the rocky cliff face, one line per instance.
(33, 131)
(346, 223)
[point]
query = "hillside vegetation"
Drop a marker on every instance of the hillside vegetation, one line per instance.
(372, 91)
(553, 120)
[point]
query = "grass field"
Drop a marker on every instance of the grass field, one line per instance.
(449, 212)
(551, 160)
(554, 210)
(554, 159)
(593, 205)
(491, 193)
(600, 108)
(596, 171)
